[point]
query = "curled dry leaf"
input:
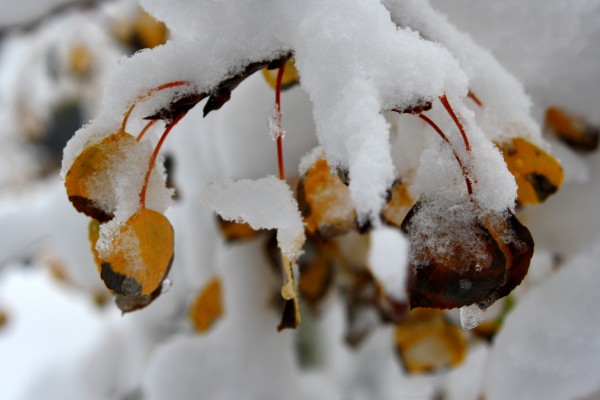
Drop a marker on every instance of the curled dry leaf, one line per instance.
(475, 258)
(427, 342)
(572, 130)
(141, 256)
(207, 307)
(88, 168)
(537, 174)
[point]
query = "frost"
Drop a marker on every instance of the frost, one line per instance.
(275, 126)
(266, 203)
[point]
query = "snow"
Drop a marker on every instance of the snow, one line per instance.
(528, 359)
(266, 203)
(388, 257)
(471, 316)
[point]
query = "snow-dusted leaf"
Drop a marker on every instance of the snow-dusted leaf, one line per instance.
(537, 173)
(460, 256)
(266, 203)
(90, 168)
(325, 202)
(140, 258)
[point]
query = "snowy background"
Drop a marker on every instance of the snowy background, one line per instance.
(65, 63)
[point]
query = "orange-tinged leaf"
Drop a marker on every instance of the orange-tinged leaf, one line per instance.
(208, 306)
(325, 202)
(572, 130)
(426, 342)
(290, 75)
(398, 206)
(537, 173)
(316, 272)
(80, 60)
(236, 231)
(87, 169)
(141, 256)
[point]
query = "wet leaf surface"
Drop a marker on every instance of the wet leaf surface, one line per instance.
(290, 76)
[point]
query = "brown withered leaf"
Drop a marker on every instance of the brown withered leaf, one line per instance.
(572, 130)
(459, 257)
(87, 167)
(427, 342)
(140, 260)
(325, 202)
(290, 75)
(207, 308)
(537, 174)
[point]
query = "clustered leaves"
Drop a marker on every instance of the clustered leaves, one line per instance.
(461, 254)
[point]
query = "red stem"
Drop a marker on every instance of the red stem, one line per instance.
(475, 99)
(443, 136)
(148, 94)
(143, 132)
(155, 155)
(448, 108)
(280, 133)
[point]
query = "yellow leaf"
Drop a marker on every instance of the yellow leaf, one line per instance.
(325, 202)
(426, 342)
(398, 206)
(537, 174)
(208, 306)
(141, 256)
(572, 130)
(87, 169)
(289, 79)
